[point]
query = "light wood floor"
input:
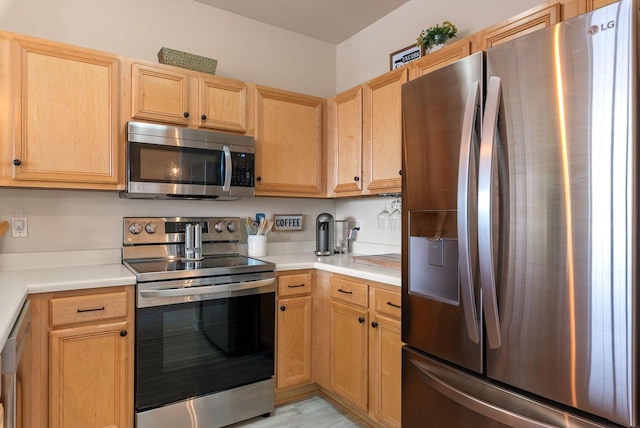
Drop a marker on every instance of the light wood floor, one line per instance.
(312, 412)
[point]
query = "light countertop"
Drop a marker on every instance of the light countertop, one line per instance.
(17, 284)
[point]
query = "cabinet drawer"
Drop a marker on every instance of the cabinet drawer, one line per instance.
(89, 308)
(294, 284)
(348, 291)
(387, 303)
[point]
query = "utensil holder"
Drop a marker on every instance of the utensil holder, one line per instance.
(257, 245)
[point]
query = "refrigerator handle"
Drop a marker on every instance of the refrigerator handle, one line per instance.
(474, 403)
(485, 235)
(464, 249)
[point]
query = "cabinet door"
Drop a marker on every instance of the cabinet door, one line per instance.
(345, 123)
(222, 104)
(517, 26)
(294, 342)
(440, 58)
(159, 94)
(349, 364)
(288, 144)
(386, 370)
(596, 4)
(88, 377)
(66, 115)
(382, 132)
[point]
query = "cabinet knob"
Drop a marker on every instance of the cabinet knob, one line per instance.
(361, 320)
(17, 162)
(356, 178)
(203, 117)
(400, 172)
(185, 114)
(123, 333)
(258, 178)
(374, 324)
(282, 308)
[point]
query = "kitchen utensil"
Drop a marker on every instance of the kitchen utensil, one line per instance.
(341, 229)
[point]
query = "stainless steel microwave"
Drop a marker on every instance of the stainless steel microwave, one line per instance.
(169, 162)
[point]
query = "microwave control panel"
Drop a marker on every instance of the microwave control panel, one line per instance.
(243, 172)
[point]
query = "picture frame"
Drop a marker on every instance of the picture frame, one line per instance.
(404, 56)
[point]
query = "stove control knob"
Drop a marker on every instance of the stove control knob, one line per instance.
(231, 227)
(219, 227)
(150, 228)
(135, 228)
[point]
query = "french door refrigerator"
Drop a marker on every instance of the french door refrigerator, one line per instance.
(520, 244)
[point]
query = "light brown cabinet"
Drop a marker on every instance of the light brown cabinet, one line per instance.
(365, 137)
(385, 356)
(293, 352)
(382, 132)
(345, 143)
(65, 115)
(88, 375)
(349, 353)
(440, 58)
(83, 358)
(289, 144)
(363, 345)
(172, 95)
(527, 22)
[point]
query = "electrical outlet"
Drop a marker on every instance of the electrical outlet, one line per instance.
(19, 227)
(359, 224)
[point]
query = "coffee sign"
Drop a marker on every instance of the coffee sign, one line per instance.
(284, 222)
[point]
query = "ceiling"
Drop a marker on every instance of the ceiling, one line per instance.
(333, 21)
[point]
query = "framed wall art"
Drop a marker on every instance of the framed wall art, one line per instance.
(404, 56)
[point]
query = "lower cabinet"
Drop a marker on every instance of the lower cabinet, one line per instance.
(294, 346)
(365, 357)
(83, 358)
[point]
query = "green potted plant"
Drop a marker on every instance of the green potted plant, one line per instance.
(435, 37)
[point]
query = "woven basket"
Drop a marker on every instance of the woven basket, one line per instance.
(187, 60)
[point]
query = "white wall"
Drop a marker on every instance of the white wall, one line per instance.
(245, 49)
(61, 220)
(366, 54)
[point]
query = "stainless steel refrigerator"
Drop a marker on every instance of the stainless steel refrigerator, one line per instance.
(520, 244)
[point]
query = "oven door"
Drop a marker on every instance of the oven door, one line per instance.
(205, 339)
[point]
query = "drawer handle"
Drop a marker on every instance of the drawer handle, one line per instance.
(394, 305)
(295, 286)
(345, 292)
(91, 310)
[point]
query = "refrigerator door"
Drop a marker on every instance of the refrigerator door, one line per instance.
(560, 186)
(440, 396)
(441, 116)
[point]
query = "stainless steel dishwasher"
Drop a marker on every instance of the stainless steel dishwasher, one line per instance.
(15, 365)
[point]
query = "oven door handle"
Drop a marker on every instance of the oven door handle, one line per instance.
(207, 289)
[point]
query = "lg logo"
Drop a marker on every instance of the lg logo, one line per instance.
(594, 28)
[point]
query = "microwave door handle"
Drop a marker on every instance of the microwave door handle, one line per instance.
(228, 166)
(207, 289)
(464, 247)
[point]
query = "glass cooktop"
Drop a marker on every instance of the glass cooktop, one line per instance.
(175, 268)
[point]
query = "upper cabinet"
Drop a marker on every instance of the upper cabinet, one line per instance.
(172, 95)
(440, 58)
(63, 102)
(532, 20)
(289, 144)
(345, 143)
(382, 132)
(365, 137)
